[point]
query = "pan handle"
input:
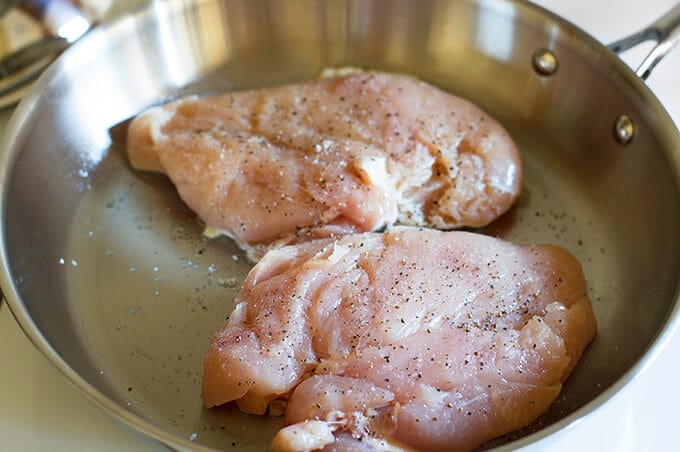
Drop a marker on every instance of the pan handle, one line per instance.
(665, 32)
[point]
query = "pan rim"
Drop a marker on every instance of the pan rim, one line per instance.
(18, 125)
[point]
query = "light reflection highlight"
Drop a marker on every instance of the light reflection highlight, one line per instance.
(74, 28)
(186, 49)
(496, 29)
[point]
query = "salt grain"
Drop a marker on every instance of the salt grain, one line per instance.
(228, 282)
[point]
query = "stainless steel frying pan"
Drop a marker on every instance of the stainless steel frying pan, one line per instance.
(107, 271)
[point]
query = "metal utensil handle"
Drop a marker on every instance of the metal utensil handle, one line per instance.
(63, 22)
(665, 31)
(27, 56)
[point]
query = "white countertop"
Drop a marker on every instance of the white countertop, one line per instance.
(41, 410)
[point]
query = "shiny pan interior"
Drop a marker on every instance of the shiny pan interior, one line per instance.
(109, 275)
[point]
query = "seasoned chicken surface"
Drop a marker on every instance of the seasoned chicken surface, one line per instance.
(410, 338)
(328, 157)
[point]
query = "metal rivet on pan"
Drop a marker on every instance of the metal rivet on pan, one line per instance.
(544, 61)
(624, 129)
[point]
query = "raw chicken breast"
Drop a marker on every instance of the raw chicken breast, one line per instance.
(328, 157)
(410, 338)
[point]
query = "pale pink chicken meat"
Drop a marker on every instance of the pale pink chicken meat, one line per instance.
(328, 157)
(412, 338)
